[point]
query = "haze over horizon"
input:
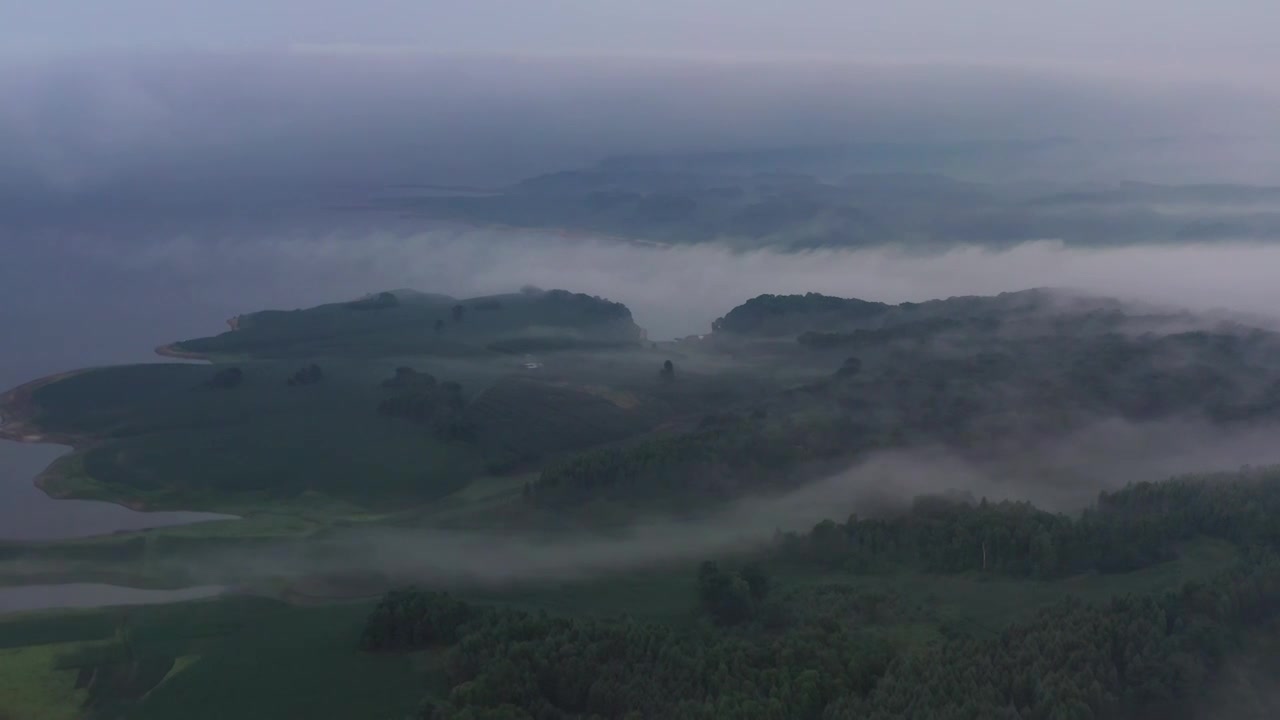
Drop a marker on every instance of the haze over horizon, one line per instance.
(241, 100)
(1233, 36)
(828, 358)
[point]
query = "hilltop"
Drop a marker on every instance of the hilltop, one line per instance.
(404, 322)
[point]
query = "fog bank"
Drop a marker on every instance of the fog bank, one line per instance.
(1062, 474)
(672, 291)
(227, 129)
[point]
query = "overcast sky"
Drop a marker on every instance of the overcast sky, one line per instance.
(1193, 35)
(273, 92)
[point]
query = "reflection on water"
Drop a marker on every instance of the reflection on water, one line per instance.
(79, 595)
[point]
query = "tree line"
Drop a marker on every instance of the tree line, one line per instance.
(722, 459)
(1131, 657)
(420, 398)
(1132, 528)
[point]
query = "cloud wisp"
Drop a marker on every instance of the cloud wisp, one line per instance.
(1063, 474)
(674, 291)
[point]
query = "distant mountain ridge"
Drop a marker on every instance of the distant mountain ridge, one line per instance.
(860, 196)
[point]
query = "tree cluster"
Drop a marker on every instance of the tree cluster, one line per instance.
(1135, 527)
(1132, 657)
(381, 301)
(422, 400)
(309, 375)
(723, 458)
(1012, 392)
(732, 597)
(782, 314)
(1135, 657)
(225, 379)
(668, 371)
(510, 664)
(913, 332)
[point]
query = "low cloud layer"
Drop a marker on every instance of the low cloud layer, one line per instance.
(1230, 38)
(130, 296)
(99, 296)
(212, 129)
(672, 291)
(1064, 474)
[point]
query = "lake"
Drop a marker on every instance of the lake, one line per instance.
(80, 595)
(26, 513)
(83, 292)
(76, 293)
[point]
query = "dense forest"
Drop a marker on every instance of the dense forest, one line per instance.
(1126, 530)
(412, 413)
(976, 392)
(764, 653)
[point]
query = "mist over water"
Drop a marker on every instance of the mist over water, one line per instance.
(112, 295)
(163, 169)
(206, 276)
(74, 595)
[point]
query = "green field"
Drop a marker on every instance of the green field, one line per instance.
(291, 661)
(157, 438)
(32, 685)
(240, 658)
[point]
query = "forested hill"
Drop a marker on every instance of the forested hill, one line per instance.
(769, 648)
(419, 395)
(404, 322)
(983, 376)
(790, 314)
(1034, 310)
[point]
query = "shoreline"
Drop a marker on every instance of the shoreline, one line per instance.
(170, 351)
(17, 423)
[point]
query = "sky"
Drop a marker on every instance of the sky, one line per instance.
(140, 96)
(158, 148)
(1190, 35)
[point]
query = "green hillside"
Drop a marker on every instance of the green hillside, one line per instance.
(403, 323)
(356, 406)
(379, 442)
(848, 619)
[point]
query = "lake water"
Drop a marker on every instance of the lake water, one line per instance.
(79, 595)
(92, 291)
(45, 329)
(26, 513)
(78, 293)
